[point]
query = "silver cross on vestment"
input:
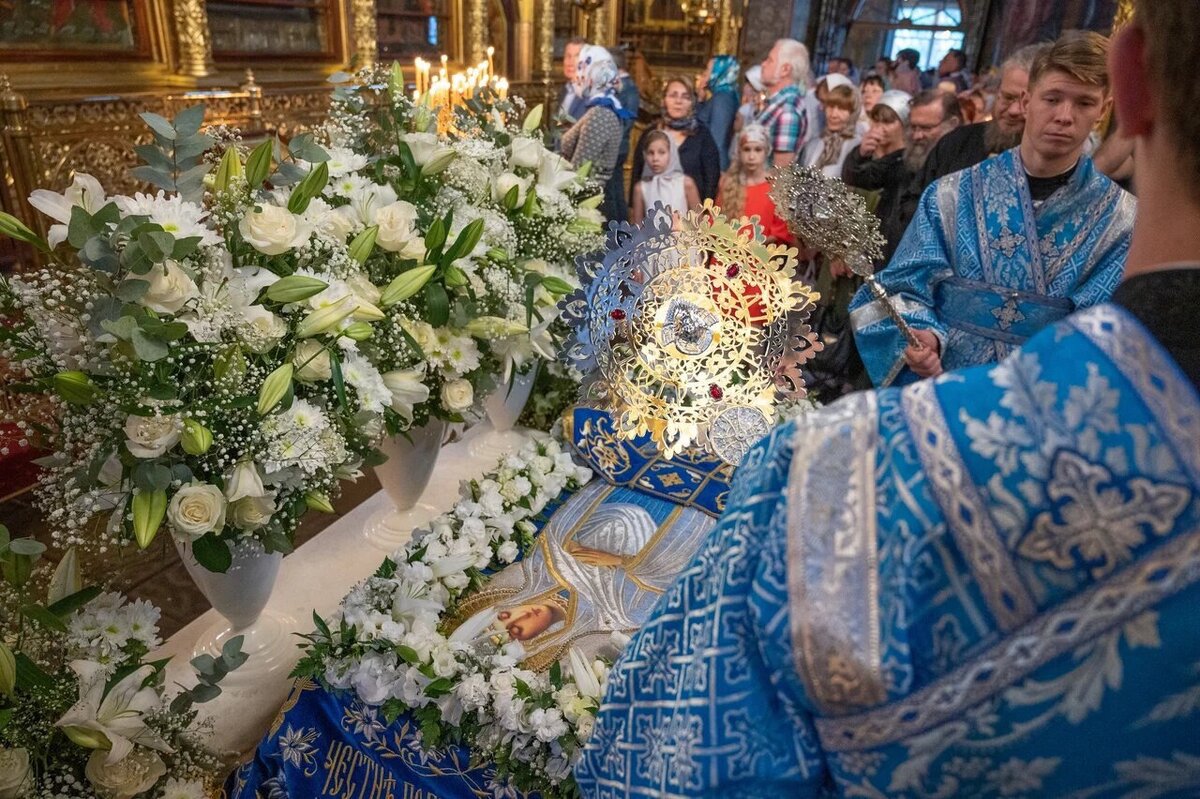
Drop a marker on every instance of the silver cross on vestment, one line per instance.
(1009, 313)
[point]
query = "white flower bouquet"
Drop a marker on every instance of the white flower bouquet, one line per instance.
(83, 711)
(201, 344)
(533, 212)
(388, 643)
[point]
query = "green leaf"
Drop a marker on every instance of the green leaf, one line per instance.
(556, 674)
(312, 185)
(72, 603)
(160, 125)
(187, 150)
(16, 229)
(231, 652)
(392, 709)
(439, 687)
(204, 692)
(43, 617)
(30, 675)
(189, 120)
(148, 349)
(154, 157)
(386, 569)
(98, 253)
(339, 382)
(80, 228)
(185, 247)
(152, 477)
(157, 244)
(155, 177)
(468, 239)
(407, 160)
(304, 146)
(212, 553)
(511, 197)
(29, 547)
(436, 237)
(258, 165)
(408, 654)
(437, 304)
(364, 244)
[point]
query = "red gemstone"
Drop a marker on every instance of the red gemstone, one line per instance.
(715, 391)
(733, 270)
(618, 314)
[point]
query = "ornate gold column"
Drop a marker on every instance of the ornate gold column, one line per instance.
(602, 24)
(522, 57)
(729, 28)
(476, 31)
(544, 39)
(365, 43)
(195, 43)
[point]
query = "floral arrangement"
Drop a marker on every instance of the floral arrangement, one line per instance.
(473, 165)
(202, 347)
(83, 713)
(388, 643)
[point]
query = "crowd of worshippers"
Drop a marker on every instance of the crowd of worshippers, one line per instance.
(890, 133)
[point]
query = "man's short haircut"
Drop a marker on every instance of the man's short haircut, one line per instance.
(845, 59)
(1172, 31)
(843, 97)
(794, 53)
(875, 79)
(949, 103)
(1081, 54)
(910, 55)
(1023, 58)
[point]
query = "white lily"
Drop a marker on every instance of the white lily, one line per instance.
(84, 191)
(113, 721)
(408, 389)
(585, 677)
(245, 481)
(451, 564)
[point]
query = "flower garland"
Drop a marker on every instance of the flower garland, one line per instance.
(387, 642)
(83, 712)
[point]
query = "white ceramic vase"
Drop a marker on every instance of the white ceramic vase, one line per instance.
(404, 476)
(504, 407)
(240, 595)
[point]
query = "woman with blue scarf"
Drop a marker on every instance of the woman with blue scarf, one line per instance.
(596, 137)
(722, 97)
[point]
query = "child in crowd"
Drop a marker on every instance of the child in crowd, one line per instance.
(662, 179)
(840, 100)
(744, 188)
(873, 88)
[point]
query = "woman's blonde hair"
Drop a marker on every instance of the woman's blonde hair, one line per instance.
(733, 196)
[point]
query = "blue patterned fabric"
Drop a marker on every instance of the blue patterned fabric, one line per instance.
(981, 585)
(984, 269)
(331, 744)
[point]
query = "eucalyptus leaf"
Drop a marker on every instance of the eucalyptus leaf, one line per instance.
(147, 348)
(80, 228)
(99, 254)
(163, 179)
(189, 120)
(28, 547)
(154, 157)
(160, 125)
(158, 244)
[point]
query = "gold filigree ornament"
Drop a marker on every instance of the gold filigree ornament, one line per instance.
(690, 329)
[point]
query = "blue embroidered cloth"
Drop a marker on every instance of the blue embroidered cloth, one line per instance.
(981, 585)
(650, 511)
(984, 269)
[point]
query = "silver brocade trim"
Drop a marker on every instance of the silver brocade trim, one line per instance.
(1171, 399)
(833, 583)
(966, 513)
(876, 311)
(1168, 570)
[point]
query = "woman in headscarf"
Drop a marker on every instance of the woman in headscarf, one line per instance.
(697, 151)
(596, 137)
(718, 110)
(841, 103)
(662, 180)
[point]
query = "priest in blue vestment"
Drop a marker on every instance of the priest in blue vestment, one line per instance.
(1001, 250)
(980, 585)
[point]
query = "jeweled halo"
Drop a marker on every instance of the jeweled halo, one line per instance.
(691, 328)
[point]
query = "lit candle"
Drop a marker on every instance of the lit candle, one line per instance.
(502, 87)
(491, 66)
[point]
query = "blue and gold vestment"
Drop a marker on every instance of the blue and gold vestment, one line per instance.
(985, 269)
(981, 585)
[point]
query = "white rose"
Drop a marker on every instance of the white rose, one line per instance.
(526, 152)
(364, 289)
(422, 145)
(170, 288)
(424, 334)
(244, 481)
(16, 777)
(502, 185)
(457, 395)
(507, 552)
(263, 329)
(398, 229)
(131, 775)
(197, 509)
(408, 390)
(312, 361)
(151, 436)
(273, 230)
(251, 513)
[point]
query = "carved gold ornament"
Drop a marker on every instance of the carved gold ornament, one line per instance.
(691, 329)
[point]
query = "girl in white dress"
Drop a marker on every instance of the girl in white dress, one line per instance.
(662, 179)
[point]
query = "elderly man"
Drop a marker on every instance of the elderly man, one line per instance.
(934, 115)
(788, 115)
(980, 586)
(971, 144)
(999, 251)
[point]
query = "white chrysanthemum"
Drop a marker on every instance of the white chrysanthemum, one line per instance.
(177, 216)
(349, 185)
(301, 437)
(457, 354)
(373, 393)
(183, 789)
(343, 161)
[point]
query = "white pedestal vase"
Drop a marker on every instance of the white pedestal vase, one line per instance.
(240, 594)
(504, 407)
(404, 477)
